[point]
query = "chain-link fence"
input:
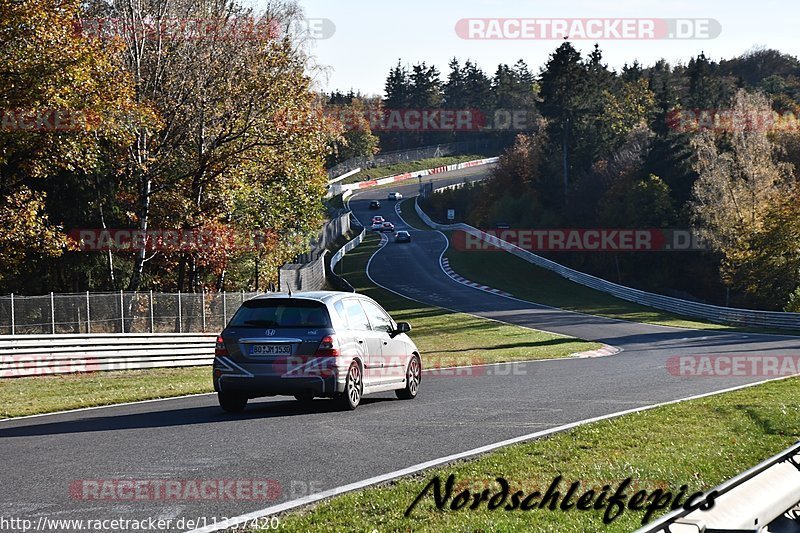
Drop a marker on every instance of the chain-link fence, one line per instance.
(414, 154)
(119, 312)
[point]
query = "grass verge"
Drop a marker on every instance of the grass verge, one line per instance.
(705, 442)
(453, 339)
(524, 280)
(409, 166)
(45, 394)
(409, 214)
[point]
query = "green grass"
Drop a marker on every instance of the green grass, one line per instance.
(701, 443)
(46, 394)
(454, 339)
(408, 166)
(410, 215)
(524, 280)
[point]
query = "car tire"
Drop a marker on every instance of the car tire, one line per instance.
(232, 402)
(304, 397)
(413, 378)
(353, 388)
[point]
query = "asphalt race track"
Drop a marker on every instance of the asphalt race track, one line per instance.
(318, 448)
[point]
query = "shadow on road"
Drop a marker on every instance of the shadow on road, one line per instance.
(181, 417)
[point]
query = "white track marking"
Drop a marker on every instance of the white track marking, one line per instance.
(314, 498)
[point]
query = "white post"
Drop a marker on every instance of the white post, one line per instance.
(224, 309)
(88, 316)
(52, 313)
(122, 311)
(203, 307)
(152, 329)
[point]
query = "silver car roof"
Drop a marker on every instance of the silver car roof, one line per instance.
(326, 297)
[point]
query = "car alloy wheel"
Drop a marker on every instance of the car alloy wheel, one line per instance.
(354, 387)
(413, 378)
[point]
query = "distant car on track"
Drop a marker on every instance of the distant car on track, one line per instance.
(314, 344)
(377, 223)
(374, 204)
(396, 196)
(387, 226)
(402, 236)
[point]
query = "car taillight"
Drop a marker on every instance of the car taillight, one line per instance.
(220, 349)
(328, 347)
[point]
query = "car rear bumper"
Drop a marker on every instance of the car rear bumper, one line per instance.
(323, 377)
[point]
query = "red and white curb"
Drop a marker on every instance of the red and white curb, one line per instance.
(445, 262)
(426, 172)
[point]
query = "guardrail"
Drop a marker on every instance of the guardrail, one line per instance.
(36, 355)
(712, 313)
(343, 176)
(755, 500)
(419, 173)
(335, 258)
(416, 154)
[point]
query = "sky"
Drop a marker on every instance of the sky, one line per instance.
(370, 37)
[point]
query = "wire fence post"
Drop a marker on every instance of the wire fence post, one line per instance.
(88, 316)
(13, 324)
(152, 320)
(203, 307)
(52, 313)
(180, 314)
(122, 311)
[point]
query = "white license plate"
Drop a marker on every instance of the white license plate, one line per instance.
(271, 349)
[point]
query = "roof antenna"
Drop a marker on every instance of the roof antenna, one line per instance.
(290, 291)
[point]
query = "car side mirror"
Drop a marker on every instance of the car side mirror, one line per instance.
(402, 327)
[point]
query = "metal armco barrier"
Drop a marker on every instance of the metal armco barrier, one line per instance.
(37, 355)
(335, 258)
(755, 500)
(713, 313)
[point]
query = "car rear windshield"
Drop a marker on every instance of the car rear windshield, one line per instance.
(282, 313)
